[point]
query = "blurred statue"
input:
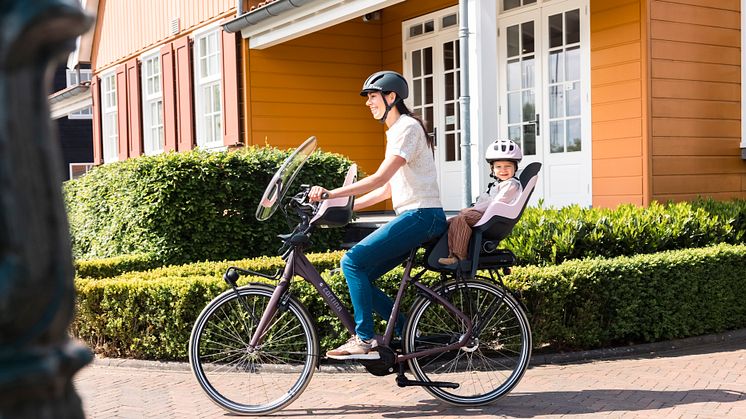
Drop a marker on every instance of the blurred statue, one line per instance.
(37, 357)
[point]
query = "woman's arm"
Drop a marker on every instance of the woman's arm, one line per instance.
(373, 197)
(377, 180)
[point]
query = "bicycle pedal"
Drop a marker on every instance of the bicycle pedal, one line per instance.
(403, 381)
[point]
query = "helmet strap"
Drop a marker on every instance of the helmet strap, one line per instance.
(388, 107)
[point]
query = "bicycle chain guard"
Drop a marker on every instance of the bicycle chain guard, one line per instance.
(383, 366)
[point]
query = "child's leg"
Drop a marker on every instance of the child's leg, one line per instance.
(459, 232)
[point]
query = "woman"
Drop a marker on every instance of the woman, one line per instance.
(407, 176)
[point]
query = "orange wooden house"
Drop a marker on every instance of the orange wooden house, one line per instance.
(623, 101)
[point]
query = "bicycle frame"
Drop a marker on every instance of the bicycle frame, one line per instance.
(298, 264)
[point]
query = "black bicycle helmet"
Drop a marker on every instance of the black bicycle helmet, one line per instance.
(384, 82)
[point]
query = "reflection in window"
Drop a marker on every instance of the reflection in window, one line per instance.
(513, 4)
(564, 90)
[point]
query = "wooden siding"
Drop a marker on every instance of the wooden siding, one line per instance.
(619, 111)
(309, 86)
(129, 28)
(695, 99)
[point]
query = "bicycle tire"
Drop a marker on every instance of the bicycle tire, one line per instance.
(491, 364)
(258, 381)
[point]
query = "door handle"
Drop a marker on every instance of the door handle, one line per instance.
(537, 124)
(434, 136)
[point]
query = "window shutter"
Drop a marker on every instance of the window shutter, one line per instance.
(98, 151)
(229, 87)
(122, 118)
(134, 105)
(184, 113)
(169, 97)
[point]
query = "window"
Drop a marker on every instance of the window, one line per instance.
(514, 4)
(109, 129)
(79, 169)
(207, 110)
(152, 105)
(75, 77)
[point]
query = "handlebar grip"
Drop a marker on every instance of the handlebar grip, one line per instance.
(325, 195)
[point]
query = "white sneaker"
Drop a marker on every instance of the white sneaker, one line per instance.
(355, 348)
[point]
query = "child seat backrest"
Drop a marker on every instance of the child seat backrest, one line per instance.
(499, 218)
(337, 212)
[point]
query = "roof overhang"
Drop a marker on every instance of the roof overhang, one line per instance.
(282, 20)
(73, 99)
(84, 43)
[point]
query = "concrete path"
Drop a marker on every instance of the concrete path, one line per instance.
(694, 378)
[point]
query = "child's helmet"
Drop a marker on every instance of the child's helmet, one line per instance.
(503, 149)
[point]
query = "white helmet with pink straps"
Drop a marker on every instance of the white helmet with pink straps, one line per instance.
(503, 149)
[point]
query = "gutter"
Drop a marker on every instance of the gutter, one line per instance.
(270, 9)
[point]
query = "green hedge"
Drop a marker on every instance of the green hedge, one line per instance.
(551, 236)
(579, 304)
(185, 207)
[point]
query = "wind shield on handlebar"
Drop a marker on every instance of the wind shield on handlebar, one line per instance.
(283, 178)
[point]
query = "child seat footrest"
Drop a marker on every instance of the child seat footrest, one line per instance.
(499, 258)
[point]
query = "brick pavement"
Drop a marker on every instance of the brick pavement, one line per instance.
(697, 380)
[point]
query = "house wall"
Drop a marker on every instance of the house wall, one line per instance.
(310, 85)
(129, 28)
(619, 108)
(695, 99)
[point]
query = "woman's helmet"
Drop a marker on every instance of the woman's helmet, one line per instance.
(503, 149)
(386, 81)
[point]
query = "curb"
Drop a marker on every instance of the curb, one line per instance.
(649, 349)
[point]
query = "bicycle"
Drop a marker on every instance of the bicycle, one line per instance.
(254, 348)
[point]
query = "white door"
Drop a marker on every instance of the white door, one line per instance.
(544, 74)
(432, 68)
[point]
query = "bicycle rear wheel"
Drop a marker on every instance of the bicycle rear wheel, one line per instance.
(247, 380)
(493, 361)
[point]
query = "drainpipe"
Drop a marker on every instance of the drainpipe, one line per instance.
(239, 7)
(463, 31)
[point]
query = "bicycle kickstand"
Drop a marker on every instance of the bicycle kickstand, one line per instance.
(403, 381)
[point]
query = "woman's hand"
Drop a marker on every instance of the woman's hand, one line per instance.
(316, 192)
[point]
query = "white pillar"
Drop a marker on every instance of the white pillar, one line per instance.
(483, 72)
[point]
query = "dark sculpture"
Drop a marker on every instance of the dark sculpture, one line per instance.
(37, 357)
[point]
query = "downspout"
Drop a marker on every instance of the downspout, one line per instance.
(239, 7)
(465, 100)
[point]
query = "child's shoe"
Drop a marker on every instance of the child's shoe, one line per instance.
(450, 260)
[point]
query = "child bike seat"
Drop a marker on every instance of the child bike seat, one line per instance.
(496, 223)
(337, 212)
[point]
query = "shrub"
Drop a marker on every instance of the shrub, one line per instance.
(551, 236)
(579, 304)
(184, 207)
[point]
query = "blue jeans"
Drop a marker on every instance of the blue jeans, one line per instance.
(380, 252)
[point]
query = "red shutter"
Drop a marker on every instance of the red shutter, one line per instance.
(97, 142)
(229, 87)
(134, 108)
(122, 131)
(169, 97)
(184, 114)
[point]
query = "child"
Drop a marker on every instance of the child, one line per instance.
(503, 157)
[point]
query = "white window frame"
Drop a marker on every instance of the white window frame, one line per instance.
(109, 117)
(152, 103)
(208, 114)
(72, 80)
(86, 168)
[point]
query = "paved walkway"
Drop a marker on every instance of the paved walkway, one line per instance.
(694, 378)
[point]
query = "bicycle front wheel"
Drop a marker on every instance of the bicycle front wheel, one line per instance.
(252, 380)
(491, 363)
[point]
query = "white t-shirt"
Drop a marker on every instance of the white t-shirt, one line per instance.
(414, 185)
(506, 191)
